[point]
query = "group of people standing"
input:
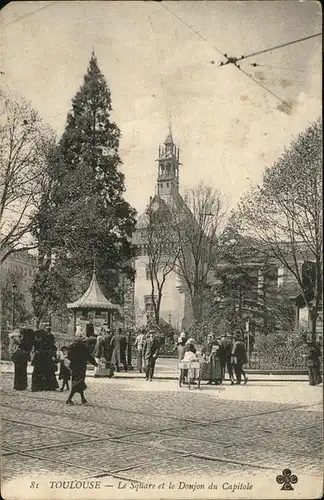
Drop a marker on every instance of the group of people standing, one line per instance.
(218, 354)
(39, 348)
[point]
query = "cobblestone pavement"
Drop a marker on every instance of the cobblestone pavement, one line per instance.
(136, 430)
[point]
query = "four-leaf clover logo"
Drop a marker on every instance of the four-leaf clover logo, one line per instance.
(287, 479)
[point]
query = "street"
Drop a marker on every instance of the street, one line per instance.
(134, 430)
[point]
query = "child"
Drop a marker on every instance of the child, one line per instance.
(190, 355)
(65, 373)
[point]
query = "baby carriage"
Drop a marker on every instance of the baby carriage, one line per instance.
(191, 367)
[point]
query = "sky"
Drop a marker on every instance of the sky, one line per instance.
(161, 61)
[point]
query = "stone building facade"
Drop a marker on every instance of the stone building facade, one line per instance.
(173, 304)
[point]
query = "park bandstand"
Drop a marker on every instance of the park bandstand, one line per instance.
(93, 307)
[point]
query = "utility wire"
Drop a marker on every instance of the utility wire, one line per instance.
(167, 107)
(280, 46)
(263, 86)
(257, 65)
(30, 14)
(191, 28)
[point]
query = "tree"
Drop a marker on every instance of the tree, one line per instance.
(22, 311)
(24, 145)
(86, 220)
(162, 252)
(198, 224)
(285, 215)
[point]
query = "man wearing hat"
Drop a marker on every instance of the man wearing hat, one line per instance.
(150, 354)
(239, 358)
(139, 344)
(226, 346)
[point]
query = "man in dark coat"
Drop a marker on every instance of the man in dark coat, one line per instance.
(313, 362)
(90, 329)
(119, 345)
(79, 355)
(225, 354)
(239, 358)
(150, 354)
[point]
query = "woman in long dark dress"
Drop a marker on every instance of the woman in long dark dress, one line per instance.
(44, 362)
(79, 355)
(49, 363)
(210, 351)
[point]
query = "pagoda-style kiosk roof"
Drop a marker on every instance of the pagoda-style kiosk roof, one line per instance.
(93, 307)
(93, 298)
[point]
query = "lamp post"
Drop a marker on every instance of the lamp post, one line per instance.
(13, 294)
(247, 328)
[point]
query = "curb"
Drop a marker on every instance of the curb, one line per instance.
(172, 377)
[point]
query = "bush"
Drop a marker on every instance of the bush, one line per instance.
(280, 352)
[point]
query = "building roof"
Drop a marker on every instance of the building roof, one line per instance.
(169, 139)
(93, 298)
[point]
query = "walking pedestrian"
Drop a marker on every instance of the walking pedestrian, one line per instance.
(139, 345)
(239, 358)
(65, 372)
(313, 362)
(150, 353)
(119, 344)
(79, 355)
(226, 347)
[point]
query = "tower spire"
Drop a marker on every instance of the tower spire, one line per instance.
(168, 175)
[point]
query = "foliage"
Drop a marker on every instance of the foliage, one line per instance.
(277, 352)
(85, 220)
(22, 312)
(162, 252)
(285, 214)
(198, 224)
(25, 142)
(239, 295)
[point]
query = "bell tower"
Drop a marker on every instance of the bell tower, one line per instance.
(168, 170)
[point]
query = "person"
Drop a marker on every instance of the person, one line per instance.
(150, 353)
(181, 345)
(190, 355)
(226, 348)
(65, 372)
(119, 344)
(78, 354)
(49, 353)
(313, 362)
(99, 349)
(239, 358)
(139, 344)
(19, 355)
(90, 329)
(44, 360)
(210, 352)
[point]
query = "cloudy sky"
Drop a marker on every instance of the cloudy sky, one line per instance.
(157, 58)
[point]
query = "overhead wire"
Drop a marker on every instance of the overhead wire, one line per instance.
(257, 65)
(29, 14)
(167, 107)
(191, 28)
(261, 85)
(276, 47)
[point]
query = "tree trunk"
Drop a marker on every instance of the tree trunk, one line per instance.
(313, 313)
(196, 306)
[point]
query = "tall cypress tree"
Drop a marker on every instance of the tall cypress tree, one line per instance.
(91, 221)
